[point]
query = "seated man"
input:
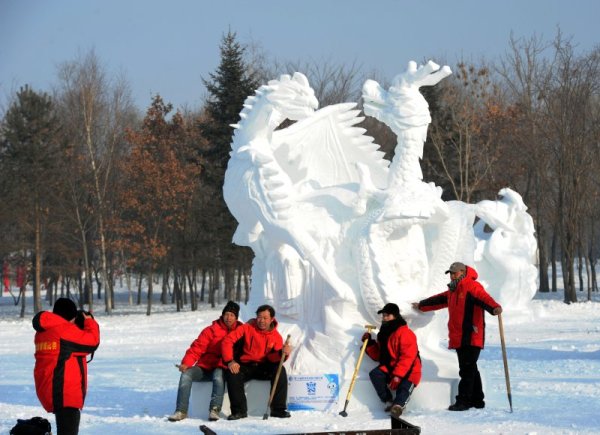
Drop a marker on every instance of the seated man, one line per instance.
(202, 362)
(261, 350)
(397, 352)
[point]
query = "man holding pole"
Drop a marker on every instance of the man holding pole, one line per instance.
(466, 300)
(262, 349)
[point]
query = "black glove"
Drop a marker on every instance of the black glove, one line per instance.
(367, 336)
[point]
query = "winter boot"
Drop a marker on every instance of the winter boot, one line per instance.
(458, 406)
(178, 416)
(396, 410)
(213, 415)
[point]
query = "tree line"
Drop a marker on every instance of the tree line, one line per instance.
(92, 192)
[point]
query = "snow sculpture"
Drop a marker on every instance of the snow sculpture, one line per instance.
(506, 249)
(338, 231)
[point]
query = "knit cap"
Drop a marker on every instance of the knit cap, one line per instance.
(65, 308)
(232, 307)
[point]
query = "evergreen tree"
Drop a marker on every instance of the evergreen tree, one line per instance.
(29, 149)
(228, 87)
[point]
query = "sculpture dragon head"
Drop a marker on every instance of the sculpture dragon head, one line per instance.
(291, 96)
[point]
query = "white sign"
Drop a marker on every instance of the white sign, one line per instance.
(313, 392)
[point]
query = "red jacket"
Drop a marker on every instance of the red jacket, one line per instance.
(403, 352)
(258, 346)
(60, 371)
(205, 351)
(466, 323)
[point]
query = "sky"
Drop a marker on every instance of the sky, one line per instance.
(168, 47)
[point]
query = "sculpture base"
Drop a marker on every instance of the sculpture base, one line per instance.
(431, 395)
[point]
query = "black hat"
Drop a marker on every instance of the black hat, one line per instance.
(390, 309)
(232, 307)
(65, 308)
(455, 267)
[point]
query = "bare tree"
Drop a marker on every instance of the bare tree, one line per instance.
(463, 146)
(96, 110)
(524, 70)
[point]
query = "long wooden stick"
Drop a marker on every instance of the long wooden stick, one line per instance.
(277, 374)
(354, 376)
(505, 361)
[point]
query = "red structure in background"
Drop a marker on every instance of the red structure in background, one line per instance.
(5, 276)
(21, 272)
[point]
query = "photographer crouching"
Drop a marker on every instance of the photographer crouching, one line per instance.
(63, 339)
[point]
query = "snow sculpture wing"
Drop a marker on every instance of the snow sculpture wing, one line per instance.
(327, 146)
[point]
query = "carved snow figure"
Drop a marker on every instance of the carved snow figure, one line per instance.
(292, 192)
(337, 231)
(506, 249)
(406, 203)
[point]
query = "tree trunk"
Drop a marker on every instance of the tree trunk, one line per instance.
(37, 300)
(139, 288)
(543, 261)
(22, 296)
(247, 287)
(238, 285)
(150, 283)
(203, 287)
(553, 254)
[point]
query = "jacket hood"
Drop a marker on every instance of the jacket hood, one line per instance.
(470, 273)
(45, 320)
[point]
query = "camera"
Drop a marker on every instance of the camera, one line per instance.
(79, 319)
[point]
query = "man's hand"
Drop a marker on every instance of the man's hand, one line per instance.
(287, 350)
(415, 306)
(394, 383)
(365, 336)
(497, 311)
(182, 367)
(233, 367)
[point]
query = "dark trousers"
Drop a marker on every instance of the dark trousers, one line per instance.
(470, 390)
(380, 381)
(265, 372)
(67, 421)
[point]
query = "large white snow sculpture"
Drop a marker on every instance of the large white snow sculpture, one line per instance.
(337, 231)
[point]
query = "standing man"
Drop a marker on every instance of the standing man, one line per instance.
(399, 366)
(60, 371)
(466, 300)
(203, 362)
(261, 350)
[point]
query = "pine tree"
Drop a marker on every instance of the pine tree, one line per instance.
(29, 149)
(228, 87)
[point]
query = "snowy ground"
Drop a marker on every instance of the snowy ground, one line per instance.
(554, 360)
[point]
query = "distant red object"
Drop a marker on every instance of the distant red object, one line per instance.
(5, 276)
(21, 276)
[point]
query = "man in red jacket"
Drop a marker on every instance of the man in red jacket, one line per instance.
(60, 371)
(262, 349)
(203, 362)
(466, 301)
(399, 366)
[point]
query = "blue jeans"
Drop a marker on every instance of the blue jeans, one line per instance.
(380, 381)
(197, 374)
